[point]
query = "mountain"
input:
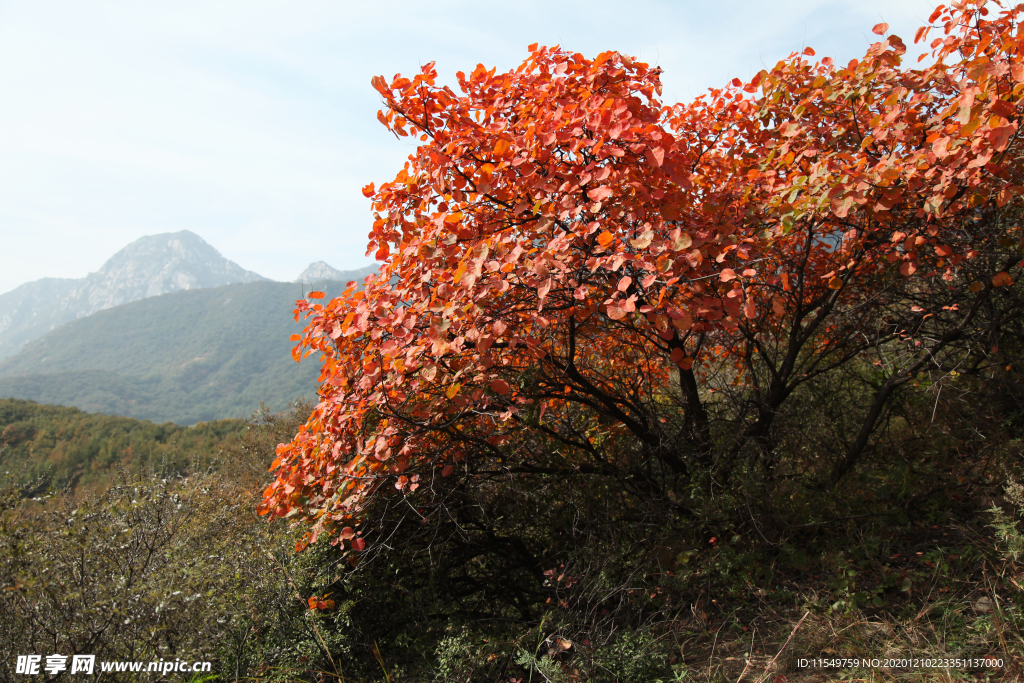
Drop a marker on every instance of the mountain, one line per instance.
(189, 356)
(149, 266)
(319, 270)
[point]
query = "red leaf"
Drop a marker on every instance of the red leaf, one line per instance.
(880, 29)
(599, 193)
(500, 387)
(614, 311)
(358, 544)
(727, 274)
(749, 309)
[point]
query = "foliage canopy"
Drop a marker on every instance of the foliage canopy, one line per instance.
(580, 280)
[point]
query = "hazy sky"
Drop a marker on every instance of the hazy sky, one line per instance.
(252, 122)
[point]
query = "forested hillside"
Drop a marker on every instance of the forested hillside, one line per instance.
(185, 357)
(53, 446)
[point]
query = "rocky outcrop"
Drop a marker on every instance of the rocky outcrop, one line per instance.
(319, 270)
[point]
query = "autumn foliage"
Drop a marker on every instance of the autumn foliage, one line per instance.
(580, 278)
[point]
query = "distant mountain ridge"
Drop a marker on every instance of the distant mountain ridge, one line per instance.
(319, 270)
(150, 266)
(185, 357)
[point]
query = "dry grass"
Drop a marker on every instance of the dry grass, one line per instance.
(982, 625)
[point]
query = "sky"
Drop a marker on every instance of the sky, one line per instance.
(253, 124)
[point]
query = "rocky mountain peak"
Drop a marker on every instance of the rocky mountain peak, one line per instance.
(149, 266)
(160, 264)
(320, 270)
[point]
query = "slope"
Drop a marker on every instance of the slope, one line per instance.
(61, 445)
(185, 357)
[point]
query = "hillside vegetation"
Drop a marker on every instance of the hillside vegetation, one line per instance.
(54, 446)
(720, 391)
(897, 572)
(186, 357)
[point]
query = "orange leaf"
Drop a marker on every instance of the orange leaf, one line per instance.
(316, 295)
(727, 274)
(999, 136)
(1002, 279)
(680, 240)
(841, 207)
(605, 238)
(880, 29)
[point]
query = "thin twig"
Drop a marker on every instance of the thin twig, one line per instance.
(750, 656)
(771, 663)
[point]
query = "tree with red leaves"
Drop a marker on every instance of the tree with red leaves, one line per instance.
(581, 281)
